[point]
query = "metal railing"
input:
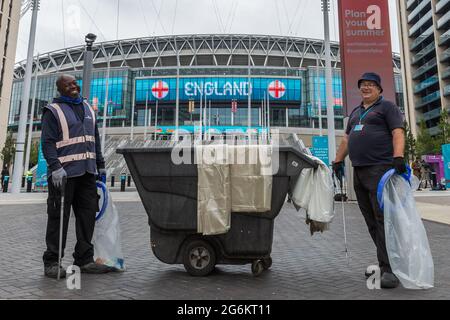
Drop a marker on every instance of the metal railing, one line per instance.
(441, 4)
(444, 38)
(409, 3)
(447, 90)
(427, 66)
(420, 23)
(426, 83)
(422, 53)
(431, 114)
(443, 20)
(419, 8)
(424, 36)
(428, 99)
(445, 55)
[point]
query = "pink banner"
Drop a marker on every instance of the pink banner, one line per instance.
(365, 42)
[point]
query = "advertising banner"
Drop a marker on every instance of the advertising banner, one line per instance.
(446, 157)
(365, 45)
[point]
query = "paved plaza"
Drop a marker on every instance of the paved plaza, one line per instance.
(304, 267)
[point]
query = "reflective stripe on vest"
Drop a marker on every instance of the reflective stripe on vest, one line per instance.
(76, 140)
(77, 157)
(91, 111)
(62, 121)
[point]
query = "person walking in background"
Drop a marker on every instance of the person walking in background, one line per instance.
(417, 170)
(5, 172)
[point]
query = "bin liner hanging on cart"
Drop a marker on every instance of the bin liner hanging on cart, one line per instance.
(314, 192)
(231, 179)
(106, 238)
(213, 196)
(406, 239)
(251, 181)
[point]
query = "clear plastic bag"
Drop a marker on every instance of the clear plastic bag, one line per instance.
(106, 239)
(406, 239)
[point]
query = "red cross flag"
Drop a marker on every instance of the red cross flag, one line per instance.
(160, 89)
(276, 89)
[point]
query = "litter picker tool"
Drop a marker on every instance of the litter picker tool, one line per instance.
(61, 221)
(341, 184)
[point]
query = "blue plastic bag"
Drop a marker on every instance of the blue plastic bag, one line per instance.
(406, 239)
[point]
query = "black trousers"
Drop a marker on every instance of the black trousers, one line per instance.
(81, 195)
(366, 181)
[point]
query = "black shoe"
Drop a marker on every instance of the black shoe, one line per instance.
(96, 268)
(389, 281)
(368, 274)
(51, 271)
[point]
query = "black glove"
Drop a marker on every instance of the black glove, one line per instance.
(399, 165)
(338, 169)
(101, 174)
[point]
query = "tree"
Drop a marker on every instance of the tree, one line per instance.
(426, 144)
(8, 150)
(34, 154)
(410, 144)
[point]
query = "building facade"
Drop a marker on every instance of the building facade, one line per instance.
(221, 71)
(9, 28)
(425, 50)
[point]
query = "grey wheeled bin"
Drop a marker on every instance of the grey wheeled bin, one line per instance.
(169, 195)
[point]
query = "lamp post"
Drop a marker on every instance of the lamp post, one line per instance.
(87, 67)
(21, 132)
(328, 80)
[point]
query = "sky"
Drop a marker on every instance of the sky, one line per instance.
(123, 19)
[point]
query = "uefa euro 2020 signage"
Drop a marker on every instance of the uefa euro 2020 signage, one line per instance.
(219, 89)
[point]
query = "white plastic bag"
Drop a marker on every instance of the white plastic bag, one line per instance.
(314, 191)
(302, 191)
(321, 205)
(106, 239)
(406, 239)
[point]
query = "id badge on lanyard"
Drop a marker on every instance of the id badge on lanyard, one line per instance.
(359, 127)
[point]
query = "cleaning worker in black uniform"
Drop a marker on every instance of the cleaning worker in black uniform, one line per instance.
(71, 146)
(375, 142)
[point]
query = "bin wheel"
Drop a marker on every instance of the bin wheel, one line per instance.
(267, 262)
(257, 267)
(199, 258)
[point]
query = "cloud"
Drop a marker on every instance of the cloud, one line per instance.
(141, 18)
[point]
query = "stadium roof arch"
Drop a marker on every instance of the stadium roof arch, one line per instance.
(196, 50)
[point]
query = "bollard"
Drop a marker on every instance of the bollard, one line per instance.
(5, 183)
(129, 181)
(112, 181)
(123, 180)
(29, 183)
(23, 182)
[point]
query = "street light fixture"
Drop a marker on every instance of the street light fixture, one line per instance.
(87, 68)
(90, 39)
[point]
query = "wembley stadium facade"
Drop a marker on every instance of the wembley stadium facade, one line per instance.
(146, 72)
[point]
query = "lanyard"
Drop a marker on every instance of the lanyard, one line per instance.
(362, 116)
